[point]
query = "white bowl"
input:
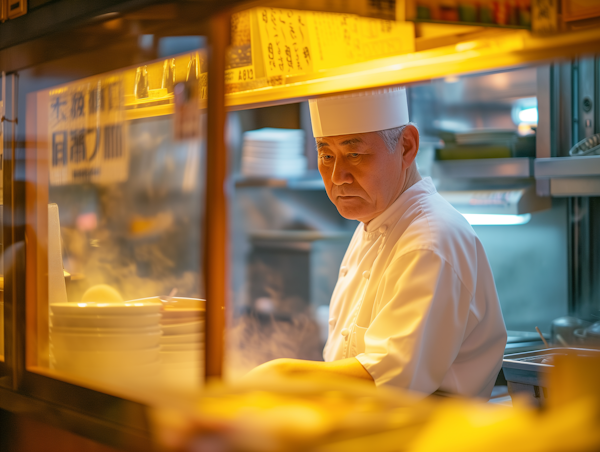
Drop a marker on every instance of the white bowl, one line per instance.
(183, 328)
(106, 358)
(104, 321)
(68, 341)
(132, 307)
(182, 338)
(181, 347)
(139, 330)
(181, 356)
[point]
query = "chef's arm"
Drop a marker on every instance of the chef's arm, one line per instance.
(349, 367)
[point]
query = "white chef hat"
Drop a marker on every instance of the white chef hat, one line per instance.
(360, 112)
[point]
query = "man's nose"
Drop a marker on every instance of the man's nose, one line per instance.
(340, 174)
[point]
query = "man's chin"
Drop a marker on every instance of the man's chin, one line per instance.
(350, 213)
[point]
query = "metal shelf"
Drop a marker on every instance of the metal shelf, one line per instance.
(567, 167)
(570, 176)
(518, 167)
(310, 181)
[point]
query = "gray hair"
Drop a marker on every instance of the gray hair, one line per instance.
(391, 136)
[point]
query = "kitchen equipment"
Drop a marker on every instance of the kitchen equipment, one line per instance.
(565, 327)
(589, 336)
(587, 146)
(526, 372)
(542, 337)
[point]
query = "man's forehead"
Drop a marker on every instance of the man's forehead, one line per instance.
(343, 140)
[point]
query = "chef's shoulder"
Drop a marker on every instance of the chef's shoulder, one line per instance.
(433, 225)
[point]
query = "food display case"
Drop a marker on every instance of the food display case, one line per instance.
(130, 166)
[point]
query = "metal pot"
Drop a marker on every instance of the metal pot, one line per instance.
(565, 327)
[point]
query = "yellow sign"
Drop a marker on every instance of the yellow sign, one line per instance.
(87, 132)
(270, 44)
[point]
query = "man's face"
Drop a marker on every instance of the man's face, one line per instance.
(361, 176)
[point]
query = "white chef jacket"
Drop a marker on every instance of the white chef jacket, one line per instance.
(415, 301)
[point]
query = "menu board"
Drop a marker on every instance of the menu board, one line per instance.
(270, 44)
(239, 64)
(284, 41)
(87, 132)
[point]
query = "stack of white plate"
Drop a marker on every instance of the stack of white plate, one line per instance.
(182, 342)
(272, 152)
(109, 341)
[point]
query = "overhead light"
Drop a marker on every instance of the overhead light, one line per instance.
(481, 219)
(525, 111)
(529, 115)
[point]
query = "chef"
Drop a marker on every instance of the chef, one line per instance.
(415, 305)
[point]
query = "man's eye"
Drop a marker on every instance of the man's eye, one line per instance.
(354, 155)
(326, 158)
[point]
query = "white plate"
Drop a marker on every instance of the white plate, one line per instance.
(274, 163)
(187, 356)
(170, 319)
(106, 358)
(133, 307)
(141, 373)
(177, 303)
(271, 134)
(271, 152)
(181, 347)
(182, 338)
(104, 341)
(183, 328)
(109, 331)
(105, 321)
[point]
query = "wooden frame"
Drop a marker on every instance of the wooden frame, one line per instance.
(16, 8)
(580, 9)
(114, 418)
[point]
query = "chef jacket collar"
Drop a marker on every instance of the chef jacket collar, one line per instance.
(399, 206)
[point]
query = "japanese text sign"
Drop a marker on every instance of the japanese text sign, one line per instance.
(87, 133)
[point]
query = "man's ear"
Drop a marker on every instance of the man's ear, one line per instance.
(410, 145)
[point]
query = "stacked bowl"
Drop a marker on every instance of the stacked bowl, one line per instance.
(273, 152)
(182, 342)
(116, 341)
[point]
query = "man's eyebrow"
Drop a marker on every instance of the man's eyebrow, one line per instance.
(351, 141)
(321, 144)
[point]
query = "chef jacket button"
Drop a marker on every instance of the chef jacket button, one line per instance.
(382, 229)
(345, 332)
(343, 271)
(366, 274)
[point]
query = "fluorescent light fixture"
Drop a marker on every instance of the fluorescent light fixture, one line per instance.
(487, 219)
(529, 115)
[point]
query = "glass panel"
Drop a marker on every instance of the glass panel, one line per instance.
(115, 208)
(287, 240)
